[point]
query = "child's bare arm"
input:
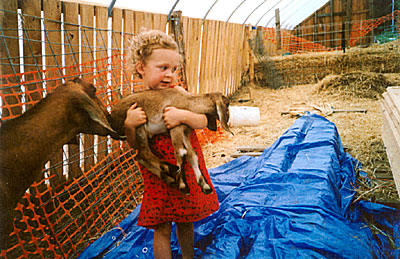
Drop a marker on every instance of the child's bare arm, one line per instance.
(135, 116)
(173, 117)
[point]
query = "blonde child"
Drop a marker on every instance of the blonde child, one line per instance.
(154, 57)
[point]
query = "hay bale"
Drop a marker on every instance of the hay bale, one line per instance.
(355, 84)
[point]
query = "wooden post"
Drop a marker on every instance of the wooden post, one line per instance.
(177, 29)
(278, 29)
(347, 20)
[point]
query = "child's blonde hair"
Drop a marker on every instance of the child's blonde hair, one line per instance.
(143, 44)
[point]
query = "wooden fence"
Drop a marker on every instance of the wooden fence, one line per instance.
(87, 189)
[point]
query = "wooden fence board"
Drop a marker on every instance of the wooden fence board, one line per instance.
(128, 33)
(52, 26)
(9, 23)
(192, 31)
(87, 38)
(391, 138)
(71, 59)
(101, 52)
(32, 49)
(116, 44)
(71, 37)
(143, 21)
(52, 23)
(160, 22)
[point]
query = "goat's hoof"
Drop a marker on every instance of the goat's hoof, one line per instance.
(170, 169)
(185, 190)
(170, 181)
(206, 189)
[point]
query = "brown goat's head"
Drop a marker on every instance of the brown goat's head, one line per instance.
(96, 119)
(222, 109)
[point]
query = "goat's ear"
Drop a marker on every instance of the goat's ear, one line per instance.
(212, 122)
(100, 126)
(222, 105)
(98, 123)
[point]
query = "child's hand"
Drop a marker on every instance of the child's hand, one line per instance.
(135, 116)
(173, 117)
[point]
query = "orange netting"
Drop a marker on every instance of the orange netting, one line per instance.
(57, 217)
(359, 30)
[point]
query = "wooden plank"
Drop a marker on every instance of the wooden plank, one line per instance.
(394, 113)
(32, 50)
(71, 39)
(101, 32)
(128, 33)
(101, 81)
(253, 154)
(192, 30)
(160, 22)
(9, 24)
(71, 59)
(251, 148)
(52, 23)
(87, 48)
(143, 21)
(394, 93)
(391, 139)
(116, 44)
(203, 59)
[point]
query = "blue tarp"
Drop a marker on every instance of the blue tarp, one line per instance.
(293, 201)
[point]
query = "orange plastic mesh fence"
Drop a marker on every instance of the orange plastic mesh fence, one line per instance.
(59, 217)
(359, 30)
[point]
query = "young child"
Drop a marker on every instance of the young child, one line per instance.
(154, 57)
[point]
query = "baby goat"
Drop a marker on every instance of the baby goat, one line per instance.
(153, 103)
(27, 141)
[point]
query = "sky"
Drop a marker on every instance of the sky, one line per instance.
(254, 12)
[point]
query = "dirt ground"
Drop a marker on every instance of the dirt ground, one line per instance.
(360, 132)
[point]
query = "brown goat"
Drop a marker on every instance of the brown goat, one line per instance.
(27, 141)
(153, 103)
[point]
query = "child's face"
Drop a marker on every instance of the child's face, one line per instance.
(160, 70)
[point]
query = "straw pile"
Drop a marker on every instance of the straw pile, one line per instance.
(355, 84)
(310, 67)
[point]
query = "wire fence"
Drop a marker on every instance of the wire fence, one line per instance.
(84, 189)
(309, 53)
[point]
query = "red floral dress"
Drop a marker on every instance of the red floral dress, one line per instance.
(162, 203)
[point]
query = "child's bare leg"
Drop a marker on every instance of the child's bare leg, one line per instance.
(162, 241)
(185, 233)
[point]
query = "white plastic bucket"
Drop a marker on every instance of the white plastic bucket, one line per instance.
(243, 116)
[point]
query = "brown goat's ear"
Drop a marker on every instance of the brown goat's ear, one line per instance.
(222, 104)
(212, 122)
(100, 125)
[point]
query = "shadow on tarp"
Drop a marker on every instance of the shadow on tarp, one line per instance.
(293, 201)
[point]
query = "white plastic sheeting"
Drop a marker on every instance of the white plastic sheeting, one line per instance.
(254, 12)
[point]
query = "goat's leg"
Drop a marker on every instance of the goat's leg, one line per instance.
(145, 156)
(192, 158)
(177, 136)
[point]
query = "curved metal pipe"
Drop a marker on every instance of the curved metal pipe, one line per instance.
(235, 10)
(281, 9)
(268, 12)
(291, 18)
(209, 10)
(172, 9)
(254, 11)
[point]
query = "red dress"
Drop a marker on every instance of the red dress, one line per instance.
(162, 203)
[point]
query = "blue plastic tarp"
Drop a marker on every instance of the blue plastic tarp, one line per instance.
(293, 201)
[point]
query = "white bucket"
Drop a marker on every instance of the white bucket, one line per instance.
(243, 116)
